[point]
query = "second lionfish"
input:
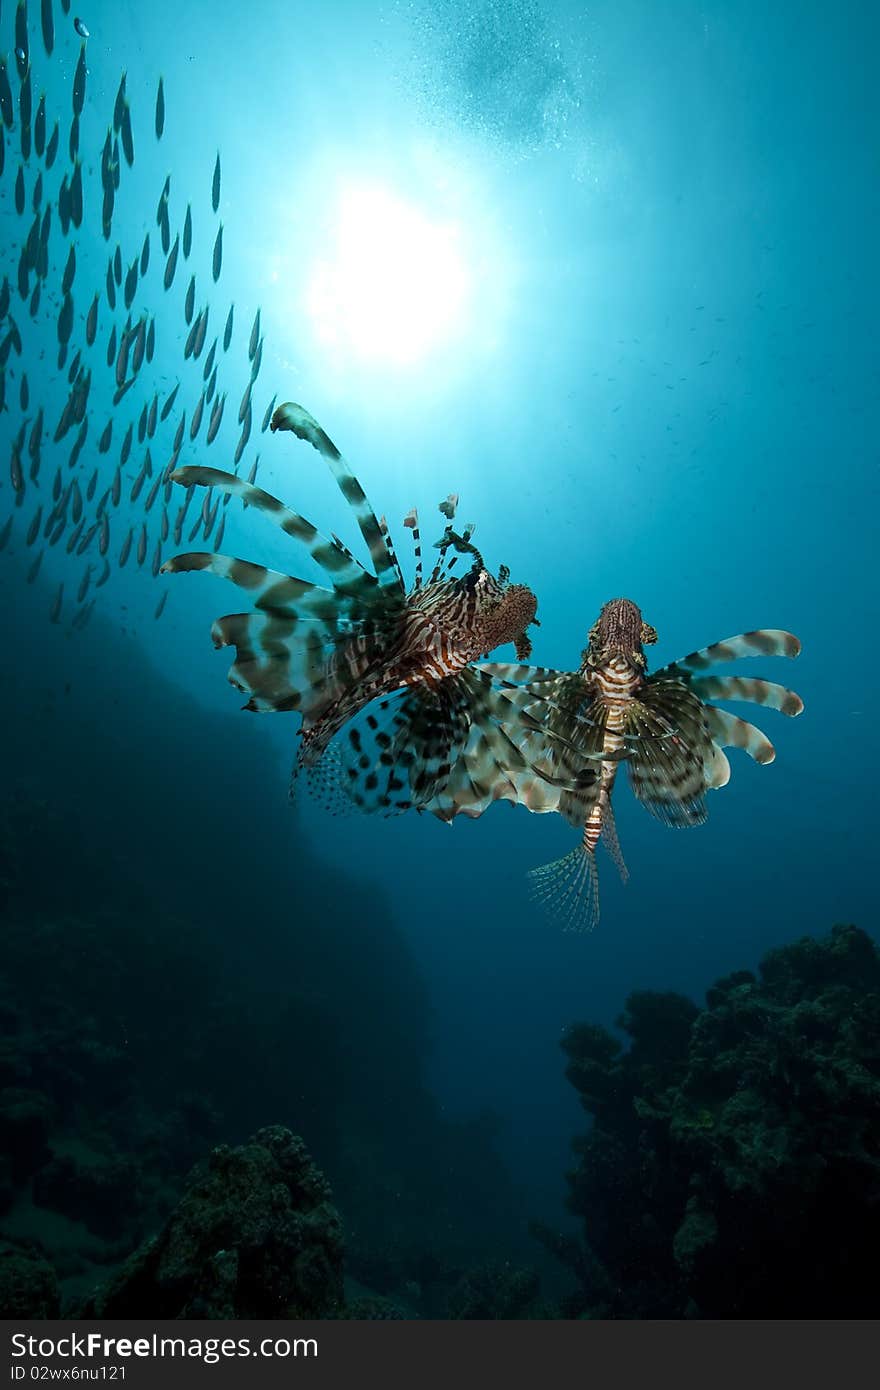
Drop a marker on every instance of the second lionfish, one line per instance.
(663, 725)
(387, 670)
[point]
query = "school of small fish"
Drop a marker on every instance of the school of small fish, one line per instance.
(399, 707)
(100, 378)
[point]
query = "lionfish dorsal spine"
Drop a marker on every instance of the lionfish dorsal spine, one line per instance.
(300, 422)
(346, 573)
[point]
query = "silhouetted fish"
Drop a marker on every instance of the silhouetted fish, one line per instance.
(197, 416)
(7, 108)
(76, 195)
(169, 403)
(160, 109)
(47, 20)
(171, 264)
(127, 137)
(69, 271)
(215, 185)
(216, 418)
(40, 126)
(52, 147)
(34, 528)
(79, 82)
(217, 263)
(22, 44)
(131, 280)
(55, 612)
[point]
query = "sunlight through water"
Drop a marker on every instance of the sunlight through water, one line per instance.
(393, 284)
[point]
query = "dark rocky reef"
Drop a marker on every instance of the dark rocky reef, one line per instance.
(255, 1235)
(158, 999)
(28, 1284)
(733, 1165)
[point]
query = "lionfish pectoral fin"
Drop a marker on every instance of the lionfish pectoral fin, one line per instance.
(670, 750)
(750, 690)
(295, 418)
(728, 731)
(346, 573)
(324, 780)
(716, 768)
(568, 889)
(768, 641)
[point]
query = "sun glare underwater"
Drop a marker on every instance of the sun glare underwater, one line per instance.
(487, 395)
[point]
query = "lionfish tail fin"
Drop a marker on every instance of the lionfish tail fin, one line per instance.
(568, 889)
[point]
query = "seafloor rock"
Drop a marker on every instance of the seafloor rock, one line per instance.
(733, 1167)
(494, 1290)
(100, 1192)
(254, 1236)
(28, 1286)
(24, 1130)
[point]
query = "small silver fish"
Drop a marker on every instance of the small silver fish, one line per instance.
(55, 614)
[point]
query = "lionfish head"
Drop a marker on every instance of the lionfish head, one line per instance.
(506, 612)
(620, 630)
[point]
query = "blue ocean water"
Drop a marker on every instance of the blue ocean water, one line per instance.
(649, 368)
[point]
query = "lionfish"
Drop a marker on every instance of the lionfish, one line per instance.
(662, 725)
(366, 647)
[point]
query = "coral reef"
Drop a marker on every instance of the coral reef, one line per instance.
(254, 1236)
(28, 1285)
(733, 1165)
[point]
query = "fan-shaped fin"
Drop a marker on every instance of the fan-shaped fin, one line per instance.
(667, 760)
(286, 663)
(568, 889)
(730, 732)
(399, 750)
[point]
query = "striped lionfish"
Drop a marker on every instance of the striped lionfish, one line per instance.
(367, 647)
(662, 725)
